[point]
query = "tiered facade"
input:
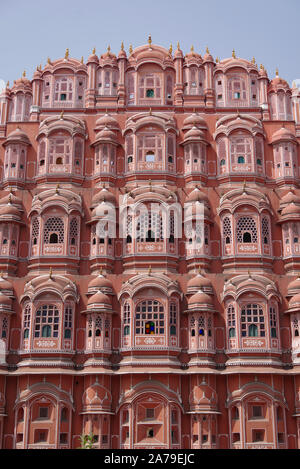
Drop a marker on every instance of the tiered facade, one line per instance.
(121, 314)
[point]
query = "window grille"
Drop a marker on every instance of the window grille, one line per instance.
(150, 318)
(246, 225)
(54, 225)
(47, 321)
(252, 321)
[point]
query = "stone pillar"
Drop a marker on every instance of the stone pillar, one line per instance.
(178, 91)
(37, 90)
(122, 59)
(209, 92)
(90, 94)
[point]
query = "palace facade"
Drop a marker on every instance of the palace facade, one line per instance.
(112, 322)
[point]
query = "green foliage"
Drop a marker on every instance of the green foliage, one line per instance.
(86, 441)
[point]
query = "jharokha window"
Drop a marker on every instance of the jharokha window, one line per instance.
(150, 318)
(59, 150)
(46, 321)
(54, 231)
(150, 89)
(252, 321)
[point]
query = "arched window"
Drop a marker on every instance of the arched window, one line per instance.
(46, 321)
(68, 321)
(231, 321)
(252, 321)
(173, 319)
(246, 230)
(35, 230)
(227, 230)
(54, 230)
(150, 318)
(126, 318)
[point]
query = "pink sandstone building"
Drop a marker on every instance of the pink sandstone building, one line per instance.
(119, 326)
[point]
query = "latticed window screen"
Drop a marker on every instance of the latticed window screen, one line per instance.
(47, 321)
(73, 231)
(241, 147)
(231, 320)
(35, 230)
(150, 227)
(59, 150)
(227, 232)
(246, 230)
(173, 318)
(126, 313)
(4, 332)
(201, 325)
(237, 89)
(150, 86)
(252, 321)
(273, 321)
(265, 231)
(98, 325)
(63, 89)
(27, 318)
(222, 150)
(68, 321)
(150, 144)
(296, 327)
(54, 225)
(150, 318)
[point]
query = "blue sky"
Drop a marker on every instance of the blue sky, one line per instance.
(32, 30)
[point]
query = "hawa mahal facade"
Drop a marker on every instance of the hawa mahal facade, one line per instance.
(144, 338)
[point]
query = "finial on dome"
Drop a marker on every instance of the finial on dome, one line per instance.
(207, 50)
(233, 54)
(149, 270)
(150, 184)
(150, 111)
(192, 48)
(277, 72)
(7, 84)
(178, 45)
(24, 74)
(249, 273)
(94, 51)
(149, 40)
(57, 187)
(170, 49)
(81, 59)
(49, 61)
(217, 60)
(50, 273)
(108, 48)
(253, 61)
(67, 54)
(62, 114)
(261, 67)
(101, 271)
(244, 185)
(9, 198)
(122, 45)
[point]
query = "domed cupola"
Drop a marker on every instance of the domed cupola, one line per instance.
(201, 302)
(107, 121)
(194, 120)
(199, 283)
(100, 284)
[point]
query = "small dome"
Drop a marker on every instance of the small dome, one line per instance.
(279, 83)
(11, 199)
(105, 135)
(178, 53)
(193, 56)
(93, 58)
(106, 121)
(99, 283)
(197, 196)
(293, 286)
(194, 120)
(283, 134)
(289, 198)
(291, 209)
(5, 301)
(9, 210)
(200, 298)
(208, 57)
(295, 301)
(103, 196)
(199, 282)
(17, 136)
(194, 134)
(99, 298)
